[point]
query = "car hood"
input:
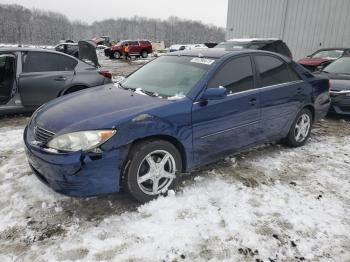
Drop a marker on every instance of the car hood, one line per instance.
(95, 108)
(87, 51)
(313, 61)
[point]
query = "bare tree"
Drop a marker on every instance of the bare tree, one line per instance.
(25, 26)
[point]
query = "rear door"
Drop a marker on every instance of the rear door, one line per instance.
(282, 95)
(44, 75)
(227, 125)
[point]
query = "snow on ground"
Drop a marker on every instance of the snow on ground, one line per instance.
(272, 203)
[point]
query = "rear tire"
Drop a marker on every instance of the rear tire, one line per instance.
(300, 131)
(144, 54)
(153, 169)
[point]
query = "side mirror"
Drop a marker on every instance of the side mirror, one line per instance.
(214, 94)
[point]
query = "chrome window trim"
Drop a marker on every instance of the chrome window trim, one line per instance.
(260, 88)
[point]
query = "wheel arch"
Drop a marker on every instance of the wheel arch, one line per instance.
(312, 110)
(78, 87)
(172, 140)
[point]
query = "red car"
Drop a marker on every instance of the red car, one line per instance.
(323, 57)
(138, 48)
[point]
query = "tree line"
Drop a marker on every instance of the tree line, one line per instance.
(19, 25)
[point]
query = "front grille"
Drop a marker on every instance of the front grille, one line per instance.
(42, 135)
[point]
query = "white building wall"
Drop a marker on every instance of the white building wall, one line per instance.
(305, 25)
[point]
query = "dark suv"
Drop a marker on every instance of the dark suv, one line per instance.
(138, 48)
(272, 45)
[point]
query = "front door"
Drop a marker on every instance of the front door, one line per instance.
(44, 75)
(224, 126)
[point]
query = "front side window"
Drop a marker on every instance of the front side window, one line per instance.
(273, 71)
(236, 76)
(45, 62)
(168, 76)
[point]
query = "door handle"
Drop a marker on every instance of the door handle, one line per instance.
(60, 78)
(252, 101)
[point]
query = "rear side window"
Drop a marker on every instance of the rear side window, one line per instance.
(45, 61)
(273, 71)
(236, 75)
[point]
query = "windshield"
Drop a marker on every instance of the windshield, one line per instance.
(331, 54)
(341, 66)
(168, 76)
(239, 45)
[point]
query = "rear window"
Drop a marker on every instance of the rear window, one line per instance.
(331, 54)
(45, 61)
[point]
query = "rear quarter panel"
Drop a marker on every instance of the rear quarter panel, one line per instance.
(86, 75)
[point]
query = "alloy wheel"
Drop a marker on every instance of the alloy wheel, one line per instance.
(156, 172)
(302, 128)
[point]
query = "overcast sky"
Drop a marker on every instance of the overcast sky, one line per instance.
(207, 11)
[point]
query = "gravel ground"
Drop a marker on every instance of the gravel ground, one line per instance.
(271, 203)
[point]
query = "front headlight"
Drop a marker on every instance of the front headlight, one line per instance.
(85, 140)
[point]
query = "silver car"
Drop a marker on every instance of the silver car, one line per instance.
(30, 77)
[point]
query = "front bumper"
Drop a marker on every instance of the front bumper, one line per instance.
(74, 174)
(340, 103)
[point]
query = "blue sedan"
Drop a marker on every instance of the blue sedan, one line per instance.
(179, 112)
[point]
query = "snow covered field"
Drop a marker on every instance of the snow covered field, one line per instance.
(272, 203)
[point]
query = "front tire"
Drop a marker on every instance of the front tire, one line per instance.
(116, 55)
(153, 169)
(300, 131)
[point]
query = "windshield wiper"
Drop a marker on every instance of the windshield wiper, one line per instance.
(120, 84)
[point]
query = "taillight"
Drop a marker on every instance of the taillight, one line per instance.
(106, 74)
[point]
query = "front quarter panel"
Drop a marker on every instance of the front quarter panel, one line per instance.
(172, 121)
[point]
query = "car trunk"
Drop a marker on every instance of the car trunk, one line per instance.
(87, 52)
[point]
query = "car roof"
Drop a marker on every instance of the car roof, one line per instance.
(218, 53)
(24, 49)
(253, 39)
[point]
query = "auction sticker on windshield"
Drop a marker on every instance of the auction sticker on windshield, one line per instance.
(205, 61)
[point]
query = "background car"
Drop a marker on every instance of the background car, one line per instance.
(268, 44)
(68, 48)
(138, 48)
(180, 111)
(32, 77)
(339, 74)
(323, 57)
